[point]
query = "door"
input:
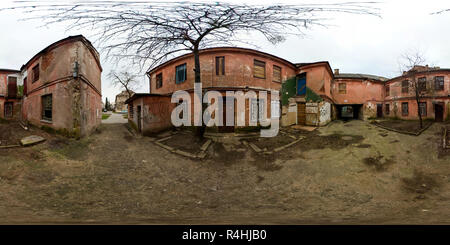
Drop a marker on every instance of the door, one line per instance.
(439, 112)
(379, 110)
(227, 114)
(8, 109)
(139, 118)
(301, 113)
(301, 85)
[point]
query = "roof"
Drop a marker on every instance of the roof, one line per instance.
(139, 95)
(360, 76)
(318, 63)
(419, 73)
(9, 70)
(215, 49)
(50, 47)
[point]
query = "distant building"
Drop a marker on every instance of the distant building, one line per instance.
(120, 105)
(11, 89)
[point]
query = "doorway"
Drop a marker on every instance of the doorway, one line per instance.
(439, 112)
(379, 110)
(139, 117)
(301, 113)
(227, 113)
(8, 109)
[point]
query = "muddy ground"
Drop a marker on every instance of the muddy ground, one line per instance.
(405, 125)
(344, 173)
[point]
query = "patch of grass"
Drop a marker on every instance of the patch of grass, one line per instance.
(105, 116)
(75, 149)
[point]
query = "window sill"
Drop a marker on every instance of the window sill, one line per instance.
(46, 121)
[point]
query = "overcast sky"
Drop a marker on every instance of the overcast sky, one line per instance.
(354, 43)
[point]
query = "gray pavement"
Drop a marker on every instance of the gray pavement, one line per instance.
(114, 118)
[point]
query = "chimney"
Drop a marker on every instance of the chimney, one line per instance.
(336, 71)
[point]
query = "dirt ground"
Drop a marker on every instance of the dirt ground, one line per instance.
(343, 173)
(405, 125)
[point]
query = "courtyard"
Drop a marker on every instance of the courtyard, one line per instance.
(344, 173)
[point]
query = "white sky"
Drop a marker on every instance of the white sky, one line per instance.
(354, 43)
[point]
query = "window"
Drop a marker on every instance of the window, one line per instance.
(275, 109)
(405, 86)
(422, 84)
(276, 74)
(220, 65)
(130, 110)
(342, 88)
(255, 111)
(423, 108)
(438, 83)
(47, 107)
(25, 86)
(387, 109)
(387, 90)
(12, 87)
(405, 108)
(180, 73)
(259, 69)
(159, 80)
(36, 73)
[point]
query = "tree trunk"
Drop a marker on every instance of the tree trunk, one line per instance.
(200, 130)
(418, 109)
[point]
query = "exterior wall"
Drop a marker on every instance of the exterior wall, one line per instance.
(358, 91)
(120, 102)
(318, 79)
(238, 71)
(69, 70)
(5, 97)
(155, 113)
(396, 97)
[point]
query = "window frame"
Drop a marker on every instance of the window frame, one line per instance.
(387, 90)
(255, 61)
(422, 84)
(387, 109)
(159, 80)
(420, 110)
(273, 73)
(340, 90)
(43, 107)
(220, 68)
(407, 109)
(176, 73)
(36, 73)
(439, 87)
(405, 87)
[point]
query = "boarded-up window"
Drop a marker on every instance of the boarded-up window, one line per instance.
(405, 86)
(35, 73)
(387, 109)
(159, 80)
(220, 65)
(47, 107)
(439, 83)
(277, 74)
(423, 108)
(422, 84)
(387, 90)
(259, 69)
(12, 87)
(180, 73)
(405, 108)
(342, 88)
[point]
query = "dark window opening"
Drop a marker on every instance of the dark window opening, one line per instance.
(387, 109)
(405, 108)
(36, 73)
(423, 108)
(12, 87)
(387, 90)
(439, 83)
(220, 65)
(47, 107)
(159, 80)
(180, 73)
(422, 84)
(405, 86)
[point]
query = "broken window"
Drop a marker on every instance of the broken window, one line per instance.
(47, 107)
(405, 86)
(387, 90)
(405, 108)
(342, 88)
(423, 108)
(259, 69)
(180, 73)
(276, 74)
(159, 80)
(220, 65)
(439, 83)
(387, 109)
(422, 84)
(36, 73)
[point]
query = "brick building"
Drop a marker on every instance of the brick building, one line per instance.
(10, 93)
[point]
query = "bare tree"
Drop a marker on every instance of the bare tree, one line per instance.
(124, 80)
(150, 33)
(411, 64)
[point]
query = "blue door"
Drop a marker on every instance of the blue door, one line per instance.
(301, 85)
